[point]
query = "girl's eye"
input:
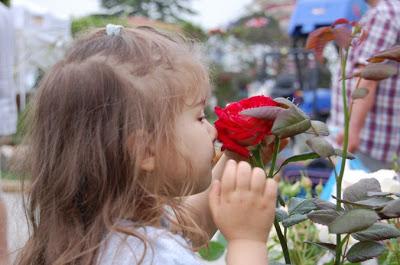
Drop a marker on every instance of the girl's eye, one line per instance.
(202, 118)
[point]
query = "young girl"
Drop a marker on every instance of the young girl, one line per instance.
(120, 157)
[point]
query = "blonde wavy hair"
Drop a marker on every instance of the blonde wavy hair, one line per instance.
(98, 113)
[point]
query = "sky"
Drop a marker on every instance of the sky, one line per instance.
(211, 13)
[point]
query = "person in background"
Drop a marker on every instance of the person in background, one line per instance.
(375, 121)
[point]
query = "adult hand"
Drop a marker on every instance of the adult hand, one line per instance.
(354, 141)
(242, 203)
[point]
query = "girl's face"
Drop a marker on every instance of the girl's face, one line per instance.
(196, 136)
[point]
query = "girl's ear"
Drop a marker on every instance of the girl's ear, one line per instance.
(148, 164)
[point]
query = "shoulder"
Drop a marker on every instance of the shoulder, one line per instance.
(388, 9)
(161, 247)
(385, 10)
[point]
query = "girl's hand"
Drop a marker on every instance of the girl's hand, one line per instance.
(243, 202)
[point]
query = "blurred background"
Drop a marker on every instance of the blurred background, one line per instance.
(253, 47)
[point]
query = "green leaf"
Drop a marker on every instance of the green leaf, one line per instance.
(289, 104)
(318, 128)
(389, 54)
(323, 205)
(359, 190)
(339, 152)
(360, 92)
(326, 246)
(382, 194)
(280, 214)
(372, 204)
(294, 219)
(377, 232)
(300, 206)
(392, 209)
(324, 217)
(375, 203)
(343, 37)
(298, 158)
(321, 146)
(265, 112)
(213, 251)
(221, 239)
(377, 72)
(353, 221)
(290, 122)
(365, 250)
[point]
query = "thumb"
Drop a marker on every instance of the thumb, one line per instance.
(214, 195)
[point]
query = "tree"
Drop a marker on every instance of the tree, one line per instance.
(164, 10)
(6, 2)
(258, 28)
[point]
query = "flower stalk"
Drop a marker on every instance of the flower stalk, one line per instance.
(256, 160)
(344, 150)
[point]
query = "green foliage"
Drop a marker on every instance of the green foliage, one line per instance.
(228, 85)
(164, 10)
(6, 2)
(365, 204)
(291, 121)
(270, 34)
(377, 232)
(192, 31)
(83, 24)
(8, 175)
(300, 253)
(214, 250)
(298, 158)
(392, 255)
(362, 251)
(324, 217)
(21, 125)
(353, 221)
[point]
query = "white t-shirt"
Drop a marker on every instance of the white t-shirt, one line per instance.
(163, 248)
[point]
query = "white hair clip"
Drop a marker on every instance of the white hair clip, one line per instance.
(113, 30)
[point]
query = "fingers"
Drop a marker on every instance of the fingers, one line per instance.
(271, 188)
(215, 195)
(228, 181)
(243, 177)
(258, 181)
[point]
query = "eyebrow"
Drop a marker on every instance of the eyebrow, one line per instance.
(202, 102)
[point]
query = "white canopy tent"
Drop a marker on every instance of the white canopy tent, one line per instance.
(41, 40)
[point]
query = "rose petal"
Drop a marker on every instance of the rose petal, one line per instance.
(340, 21)
(237, 131)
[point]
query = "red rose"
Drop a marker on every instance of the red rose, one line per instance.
(236, 131)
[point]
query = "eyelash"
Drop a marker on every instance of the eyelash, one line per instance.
(202, 118)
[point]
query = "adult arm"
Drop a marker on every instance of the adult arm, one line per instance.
(360, 110)
(383, 32)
